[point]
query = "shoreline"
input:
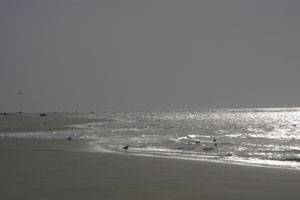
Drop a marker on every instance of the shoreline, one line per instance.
(88, 146)
(16, 123)
(236, 163)
(61, 169)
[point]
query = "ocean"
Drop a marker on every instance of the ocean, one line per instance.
(262, 137)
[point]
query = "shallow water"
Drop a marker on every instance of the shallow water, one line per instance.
(268, 137)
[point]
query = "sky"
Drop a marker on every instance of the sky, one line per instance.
(111, 55)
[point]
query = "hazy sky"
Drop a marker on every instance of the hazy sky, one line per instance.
(144, 54)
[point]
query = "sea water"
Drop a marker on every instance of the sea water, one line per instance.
(263, 137)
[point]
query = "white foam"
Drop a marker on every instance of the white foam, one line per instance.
(94, 147)
(193, 136)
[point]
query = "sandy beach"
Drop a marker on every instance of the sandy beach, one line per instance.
(25, 122)
(61, 169)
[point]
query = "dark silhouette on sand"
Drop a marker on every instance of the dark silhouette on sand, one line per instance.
(215, 141)
(126, 147)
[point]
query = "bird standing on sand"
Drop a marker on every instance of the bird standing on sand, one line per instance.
(126, 147)
(70, 138)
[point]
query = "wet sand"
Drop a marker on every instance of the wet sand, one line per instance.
(61, 169)
(34, 122)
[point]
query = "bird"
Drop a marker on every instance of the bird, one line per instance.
(214, 140)
(126, 147)
(197, 141)
(69, 138)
